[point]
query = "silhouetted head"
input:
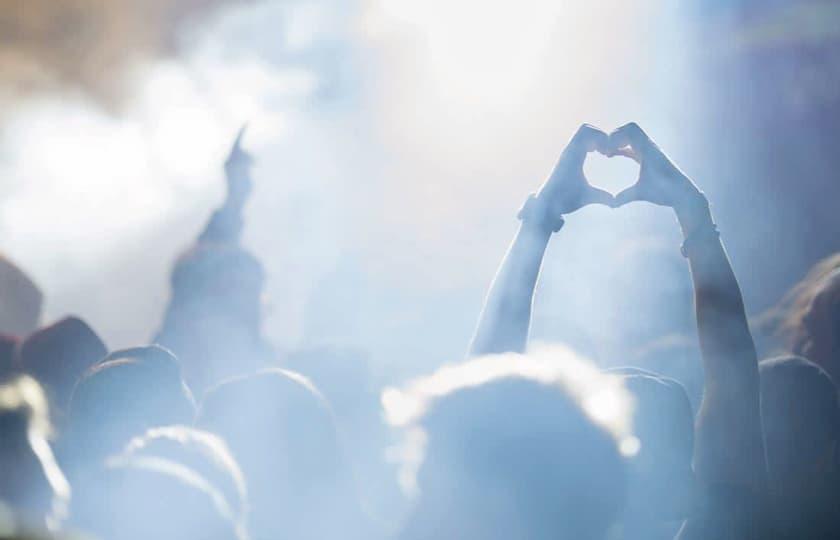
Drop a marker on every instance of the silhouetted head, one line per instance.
(812, 320)
(183, 480)
(57, 355)
(138, 496)
(282, 433)
(513, 447)
(31, 483)
(674, 357)
(202, 451)
(661, 481)
(20, 310)
(800, 413)
(342, 374)
(129, 392)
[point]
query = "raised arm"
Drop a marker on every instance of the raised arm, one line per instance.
(506, 316)
(225, 224)
(729, 449)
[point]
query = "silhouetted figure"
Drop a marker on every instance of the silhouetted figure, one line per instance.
(801, 416)
(213, 319)
(20, 300)
(31, 483)
(57, 355)
(282, 433)
(129, 392)
(171, 482)
(507, 450)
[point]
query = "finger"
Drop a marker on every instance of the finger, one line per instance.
(599, 196)
(627, 152)
(589, 138)
(631, 194)
(629, 135)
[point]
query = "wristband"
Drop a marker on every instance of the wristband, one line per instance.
(535, 212)
(704, 233)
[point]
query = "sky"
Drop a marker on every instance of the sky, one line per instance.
(395, 141)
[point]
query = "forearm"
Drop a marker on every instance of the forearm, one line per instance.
(729, 446)
(725, 339)
(506, 317)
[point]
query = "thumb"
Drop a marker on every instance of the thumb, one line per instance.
(633, 193)
(599, 196)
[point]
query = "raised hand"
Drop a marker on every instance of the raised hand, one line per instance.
(238, 172)
(660, 181)
(567, 189)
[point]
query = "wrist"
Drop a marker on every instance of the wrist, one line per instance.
(538, 217)
(698, 226)
(693, 213)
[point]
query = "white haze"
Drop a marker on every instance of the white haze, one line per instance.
(395, 141)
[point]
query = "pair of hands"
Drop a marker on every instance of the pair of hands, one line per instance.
(660, 181)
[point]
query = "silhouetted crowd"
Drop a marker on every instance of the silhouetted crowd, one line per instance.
(208, 434)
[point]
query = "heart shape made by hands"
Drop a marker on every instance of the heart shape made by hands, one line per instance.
(611, 173)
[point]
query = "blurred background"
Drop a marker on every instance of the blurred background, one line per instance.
(396, 139)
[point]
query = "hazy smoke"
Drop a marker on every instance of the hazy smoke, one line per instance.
(89, 46)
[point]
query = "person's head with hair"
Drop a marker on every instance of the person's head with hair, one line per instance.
(130, 391)
(800, 413)
(57, 355)
(661, 485)
(31, 483)
(139, 495)
(811, 316)
(205, 453)
(342, 374)
(513, 446)
(198, 467)
(20, 309)
(282, 433)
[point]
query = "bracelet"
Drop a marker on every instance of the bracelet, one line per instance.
(704, 233)
(533, 211)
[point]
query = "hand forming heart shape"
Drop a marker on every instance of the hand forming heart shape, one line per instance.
(612, 173)
(659, 182)
(567, 189)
